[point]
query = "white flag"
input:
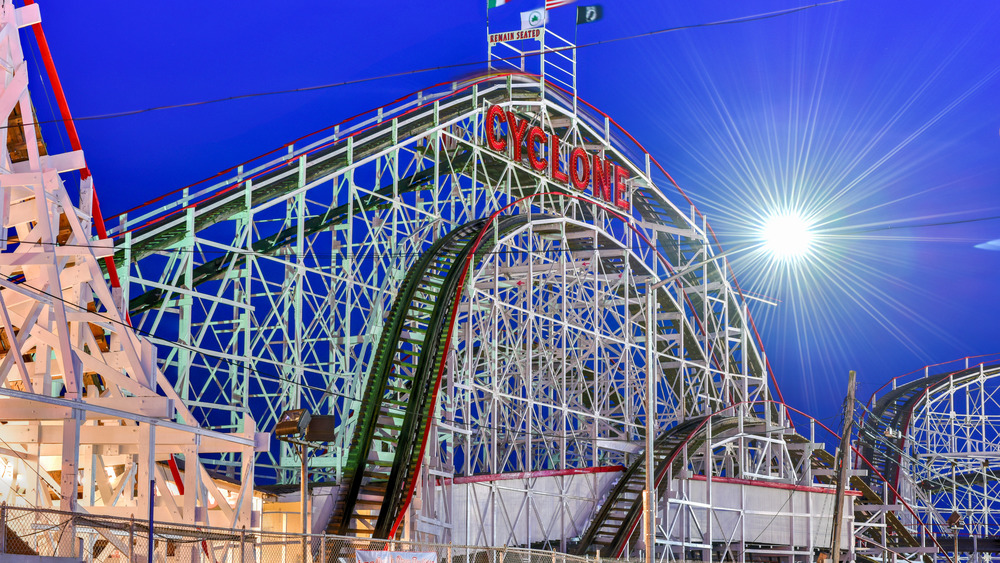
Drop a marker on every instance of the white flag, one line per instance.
(534, 18)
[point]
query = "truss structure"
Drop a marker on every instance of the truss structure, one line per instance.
(286, 282)
(938, 430)
(89, 421)
(474, 321)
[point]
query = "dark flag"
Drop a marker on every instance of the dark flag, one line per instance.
(589, 14)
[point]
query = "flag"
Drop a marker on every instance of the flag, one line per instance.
(549, 4)
(589, 14)
(534, 18)
(495, 3)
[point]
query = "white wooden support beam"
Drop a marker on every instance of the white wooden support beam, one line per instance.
(234, 439)
(167, 498)
(29, 410)
(101, 481)
(114, 440)
(192, 485)
(14, 351)
(14, 89)
(220, 498)
(27, 15)
(68, 477)
(878, 507)
(145, 465)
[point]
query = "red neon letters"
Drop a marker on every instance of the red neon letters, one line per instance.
(536, 135)
(607, 178)
(496, 143)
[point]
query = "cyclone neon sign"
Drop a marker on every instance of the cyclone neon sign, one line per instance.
(580, 170)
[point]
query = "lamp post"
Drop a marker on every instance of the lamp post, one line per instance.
(649, 495)
(292, 423)
(955, 523)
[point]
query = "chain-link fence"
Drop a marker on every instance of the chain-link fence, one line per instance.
(51, 533)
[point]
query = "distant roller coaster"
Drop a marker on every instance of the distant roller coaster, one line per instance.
(934, 435)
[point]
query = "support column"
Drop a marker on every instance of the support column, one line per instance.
(649, 495)
(844, 470)
(146, 482)
(69, 481)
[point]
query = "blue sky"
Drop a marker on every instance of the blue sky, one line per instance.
(876, 119)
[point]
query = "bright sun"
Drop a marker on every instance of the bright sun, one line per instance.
(787, 236)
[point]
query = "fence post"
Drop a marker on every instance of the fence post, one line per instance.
(322, 548)
(131, 539)
(243, 540)
(449, 553)
(3, 527)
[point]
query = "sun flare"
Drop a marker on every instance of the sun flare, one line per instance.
(787, 236)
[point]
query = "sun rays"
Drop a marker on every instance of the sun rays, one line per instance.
(815, 171)
(787, 236)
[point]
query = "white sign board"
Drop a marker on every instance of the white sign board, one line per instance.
(396, 556)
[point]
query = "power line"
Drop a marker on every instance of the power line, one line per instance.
(742, 19)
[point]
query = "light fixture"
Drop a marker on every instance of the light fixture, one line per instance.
(292, 422)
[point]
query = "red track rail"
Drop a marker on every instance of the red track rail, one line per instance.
(454, 315)
(74, 137)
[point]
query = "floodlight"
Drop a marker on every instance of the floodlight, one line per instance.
(292, 422)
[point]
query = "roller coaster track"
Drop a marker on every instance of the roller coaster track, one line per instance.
(279, 179)
(883, 432)
(611, 529)
(384, 453)
(967, 479)
(399, 394)
(271, 244)
(385, 450)
(901, 537)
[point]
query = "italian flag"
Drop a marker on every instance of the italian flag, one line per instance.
(495, 3)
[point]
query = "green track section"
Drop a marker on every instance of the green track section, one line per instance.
(615, 526)
(388, 441)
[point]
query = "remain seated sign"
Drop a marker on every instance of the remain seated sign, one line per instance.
(364, 556)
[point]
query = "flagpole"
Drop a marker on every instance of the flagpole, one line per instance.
(576, 30)
(489, 50)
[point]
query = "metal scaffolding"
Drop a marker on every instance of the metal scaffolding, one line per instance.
(480, 283)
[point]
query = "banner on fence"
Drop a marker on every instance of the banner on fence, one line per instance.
(396, 556)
